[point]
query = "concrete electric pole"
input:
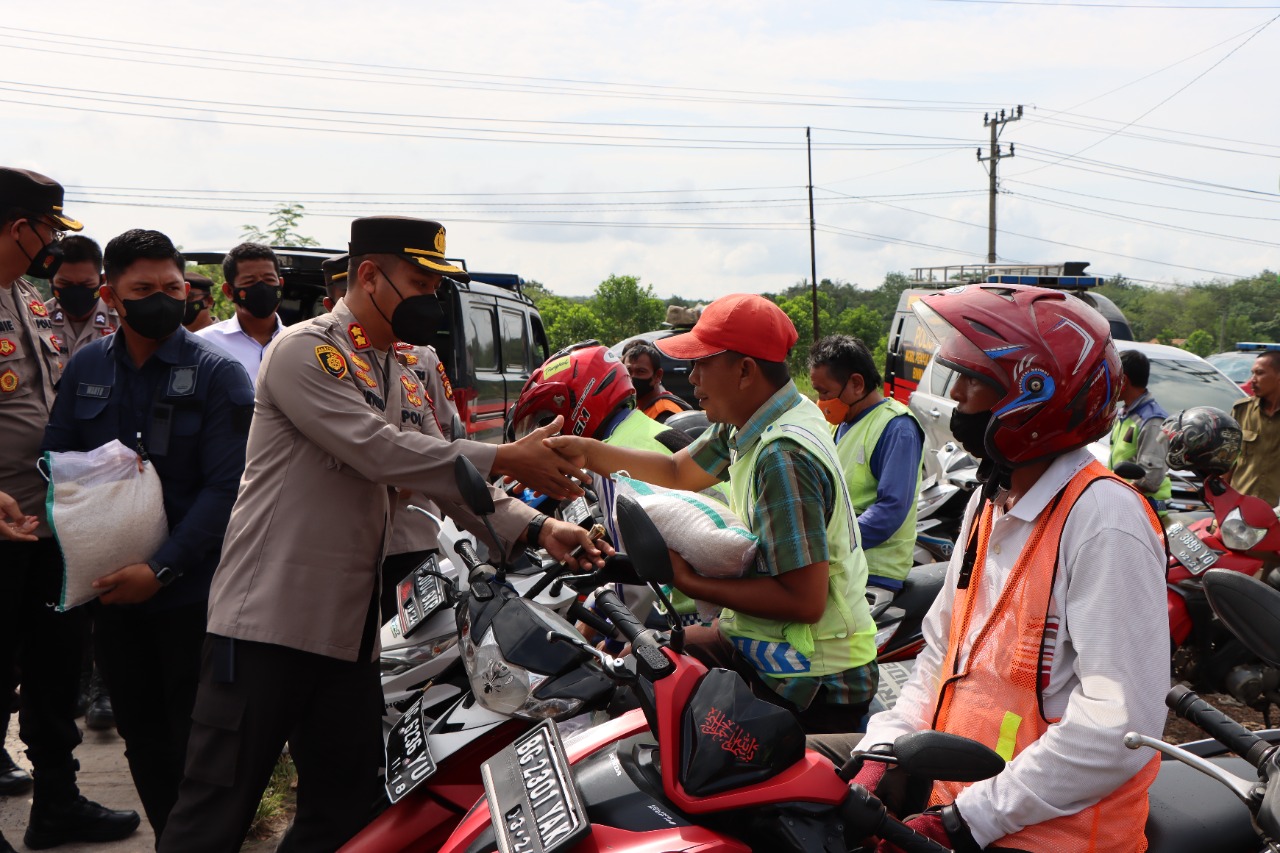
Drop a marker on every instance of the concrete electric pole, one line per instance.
(994, 157)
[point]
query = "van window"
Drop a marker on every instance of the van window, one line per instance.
(515, 342)
(940, 379)
(480, 338)
(541, 349)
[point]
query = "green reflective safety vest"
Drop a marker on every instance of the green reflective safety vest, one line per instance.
(638, 431)
(892, 558)
(844, 637)
(1124, 445)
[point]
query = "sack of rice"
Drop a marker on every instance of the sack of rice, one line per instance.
(106, 510)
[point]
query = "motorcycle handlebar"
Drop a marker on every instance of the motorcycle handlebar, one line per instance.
(622, 618)
(1244, 743)
(468, 555)
(903, 836)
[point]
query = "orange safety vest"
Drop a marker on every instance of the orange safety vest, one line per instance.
(665, 404)
(996, 698)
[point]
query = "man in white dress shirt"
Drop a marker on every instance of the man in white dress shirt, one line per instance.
(254, 284)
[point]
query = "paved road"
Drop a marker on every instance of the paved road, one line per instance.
(104, 778)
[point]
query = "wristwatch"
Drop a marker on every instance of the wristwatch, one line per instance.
(165, 574)
(533, 532)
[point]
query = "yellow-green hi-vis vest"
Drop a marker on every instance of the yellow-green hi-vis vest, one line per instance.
(892, 558)
(844, 637)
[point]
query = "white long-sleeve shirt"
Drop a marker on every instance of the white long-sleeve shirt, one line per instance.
(1108, 664)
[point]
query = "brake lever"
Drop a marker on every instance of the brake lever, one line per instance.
(615, 668)
(1243, 789)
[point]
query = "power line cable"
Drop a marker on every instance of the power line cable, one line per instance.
(1149, 204)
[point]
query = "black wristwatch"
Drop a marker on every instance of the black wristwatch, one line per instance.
(533, 532)
(164, 574)
(957, 829)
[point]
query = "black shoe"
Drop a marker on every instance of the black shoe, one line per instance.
(77, 820)
(100, 717)
(13, 780)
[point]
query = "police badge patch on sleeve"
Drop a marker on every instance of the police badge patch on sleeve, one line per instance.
(444, 381)
(331, 360)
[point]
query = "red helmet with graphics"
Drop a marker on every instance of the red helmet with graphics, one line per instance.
(584, 382)
(1048, 352)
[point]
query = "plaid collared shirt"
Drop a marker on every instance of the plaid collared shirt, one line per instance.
(795, 496)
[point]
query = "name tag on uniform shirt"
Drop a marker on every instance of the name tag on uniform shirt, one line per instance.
(98, 392)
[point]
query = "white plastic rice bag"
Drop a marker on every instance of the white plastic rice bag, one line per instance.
(106, 511)
(701, 529)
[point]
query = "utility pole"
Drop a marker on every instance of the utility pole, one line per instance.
(813, 255)
(996, 123)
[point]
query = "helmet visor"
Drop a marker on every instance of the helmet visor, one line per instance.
(956, 351)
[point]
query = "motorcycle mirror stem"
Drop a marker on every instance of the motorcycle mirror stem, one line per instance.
(475, 492)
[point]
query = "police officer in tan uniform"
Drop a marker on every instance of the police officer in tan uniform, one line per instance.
(47, 644)
(293, 612)
(413, 535)
(78, 313)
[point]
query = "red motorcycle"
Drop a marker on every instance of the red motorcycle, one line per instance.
(701, 765)
(1241, 531)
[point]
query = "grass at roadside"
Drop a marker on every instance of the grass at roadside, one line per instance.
(277, 804)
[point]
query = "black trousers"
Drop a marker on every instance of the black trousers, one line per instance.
(151, 662)
(251, 699)
(47, 646)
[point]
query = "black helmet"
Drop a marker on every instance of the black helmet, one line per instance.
(1203, 439)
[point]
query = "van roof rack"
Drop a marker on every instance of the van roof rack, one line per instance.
(1069, 275)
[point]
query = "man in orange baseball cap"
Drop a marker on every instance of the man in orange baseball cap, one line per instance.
(796, 626)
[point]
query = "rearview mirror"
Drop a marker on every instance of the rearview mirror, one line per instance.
(456, 429)
(1250, 608)
(642, 542)
(946, 757)
(474, 490)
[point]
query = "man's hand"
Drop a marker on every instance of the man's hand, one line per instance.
(131, 585)
(934, 824)
(683, 576)
(561, 539)
(573, 448)
(13, 524)
(538, 467)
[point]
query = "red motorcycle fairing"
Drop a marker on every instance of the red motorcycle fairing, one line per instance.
(424, 819)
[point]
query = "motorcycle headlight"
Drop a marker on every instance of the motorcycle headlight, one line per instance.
(397, 661)
(1237, 535)
(506, 688)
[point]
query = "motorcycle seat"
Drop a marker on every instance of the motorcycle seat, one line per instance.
(1191, 813)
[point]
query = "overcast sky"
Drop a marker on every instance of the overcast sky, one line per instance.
(566, 141)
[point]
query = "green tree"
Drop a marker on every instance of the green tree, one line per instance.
(223, 308)
(282, 230)
(623, 308)
(1200, 342)
(567, 322)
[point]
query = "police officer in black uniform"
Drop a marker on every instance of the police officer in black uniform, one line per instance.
(186, 406)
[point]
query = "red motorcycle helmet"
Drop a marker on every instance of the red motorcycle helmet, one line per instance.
(584, 382)
(1047, 351)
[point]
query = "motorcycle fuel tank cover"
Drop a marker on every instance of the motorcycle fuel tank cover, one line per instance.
(731, 739)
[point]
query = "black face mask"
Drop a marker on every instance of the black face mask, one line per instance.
(156, 316)
(971, 431)
(192, 312)
(76, 301)
(417, 319)
(260, 298)
(46, 261)
(643, 387)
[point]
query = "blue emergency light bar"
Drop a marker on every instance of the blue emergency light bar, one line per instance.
(1059, 281)
(1255, 346)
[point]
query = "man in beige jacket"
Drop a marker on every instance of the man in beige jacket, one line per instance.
(293, 611)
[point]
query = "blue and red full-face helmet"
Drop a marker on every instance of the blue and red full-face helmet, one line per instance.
(1048, 352)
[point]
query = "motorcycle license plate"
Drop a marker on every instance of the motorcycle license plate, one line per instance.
(533, 801)
(409, 760)
(419, 595)
(1189, 550)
